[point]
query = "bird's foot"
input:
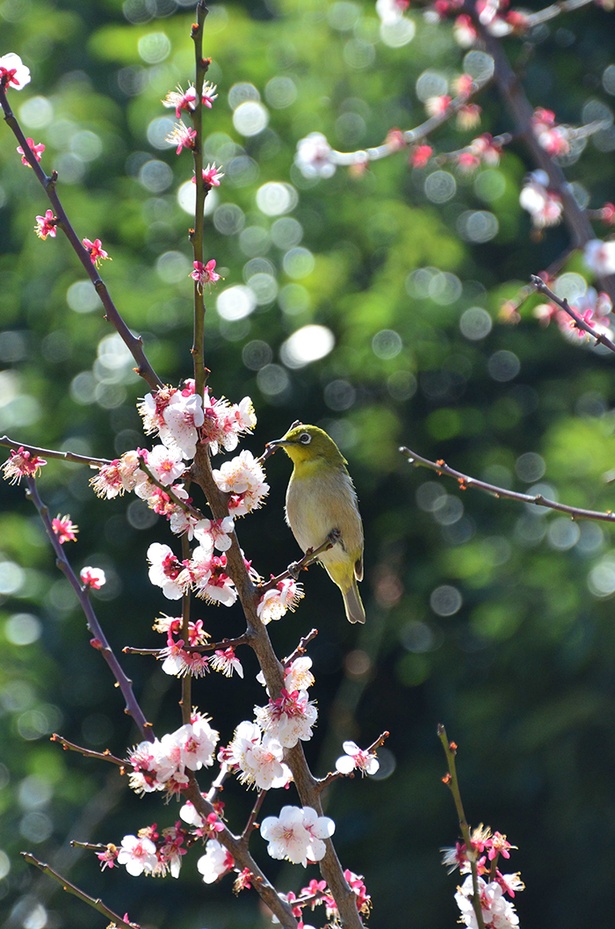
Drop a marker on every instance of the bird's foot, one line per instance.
(334, 536)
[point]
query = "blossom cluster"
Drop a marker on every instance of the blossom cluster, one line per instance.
(161, 765)
(495, 889)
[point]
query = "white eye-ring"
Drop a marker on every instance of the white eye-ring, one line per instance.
(305, 438)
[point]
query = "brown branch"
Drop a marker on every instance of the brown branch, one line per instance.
(579, 322)
(301, 647)
(465, 482)
(452, 782)
(52, 453)
(86, 752)
(99, 640)
(96, 904)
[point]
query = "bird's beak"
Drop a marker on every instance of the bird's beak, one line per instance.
(278, 443)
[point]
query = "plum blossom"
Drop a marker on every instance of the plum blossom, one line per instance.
(46, 225)
(138, 855)
(243, 478)
(313, 156)
(64, 529)
(225, 422)
(13, 72)
(497, 911)
(205, 273)
(181, 100)
(165, 570)
(212, 176)
(543, 205)
(166, 464)
(118, 476)
(599, 256)
(289, 718)
(209, 94)
(226, 662)
(297, 834)
(95, 251)
(37, 149)
(161, 764)
(21, 463)
(182, 136)
(176, 415)
(94, 578)
(554, 139)
(355, 758)
(275, 602)
(216, 862)
(258, 757)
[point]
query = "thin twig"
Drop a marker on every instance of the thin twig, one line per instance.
(251, 823)
(579, 322)
(301, 647)
(452, 783)
(465, 482)
(53, 453)
(99, 640)
(324, 782)
(87, 752)
(96, 904)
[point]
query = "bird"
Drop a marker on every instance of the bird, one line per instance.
(321, 507)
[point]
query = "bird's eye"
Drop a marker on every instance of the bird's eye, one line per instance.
(305, 438)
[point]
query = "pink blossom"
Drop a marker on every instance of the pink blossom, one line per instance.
(543, 205)
(297, 676)
(437, 106)
(275, 602)
(118, 476)
(211, 176)
(182, 136)
(258, 757)
(46, 225)
(244, 478)
(95, 251)
(224, 422)
(216, 862)
(180, 100)
(165, 570)
(553, 138)
(209, 94)
(497, 911)
(225, 661)
(468, 116)
(297, 834)
(178, 662)
(64, 529)
(600, 256)
(464, 31)
(167, 465)
(205, 274)
(396, 139)
(94, 578)
(138, 855)
(21, 463)
(464, 85)
(289, 718)
(420, 155)
(13, 72)
(365, 762)
(37, 149)
(108, 858)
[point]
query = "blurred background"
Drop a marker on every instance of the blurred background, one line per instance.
(367, 304)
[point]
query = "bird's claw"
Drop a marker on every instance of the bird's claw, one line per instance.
(294, 570)
(334, 536)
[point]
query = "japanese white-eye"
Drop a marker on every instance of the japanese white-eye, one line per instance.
(321, 504)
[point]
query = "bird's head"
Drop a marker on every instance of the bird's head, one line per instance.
(307, 443)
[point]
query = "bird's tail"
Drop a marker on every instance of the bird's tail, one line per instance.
(355, 611)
